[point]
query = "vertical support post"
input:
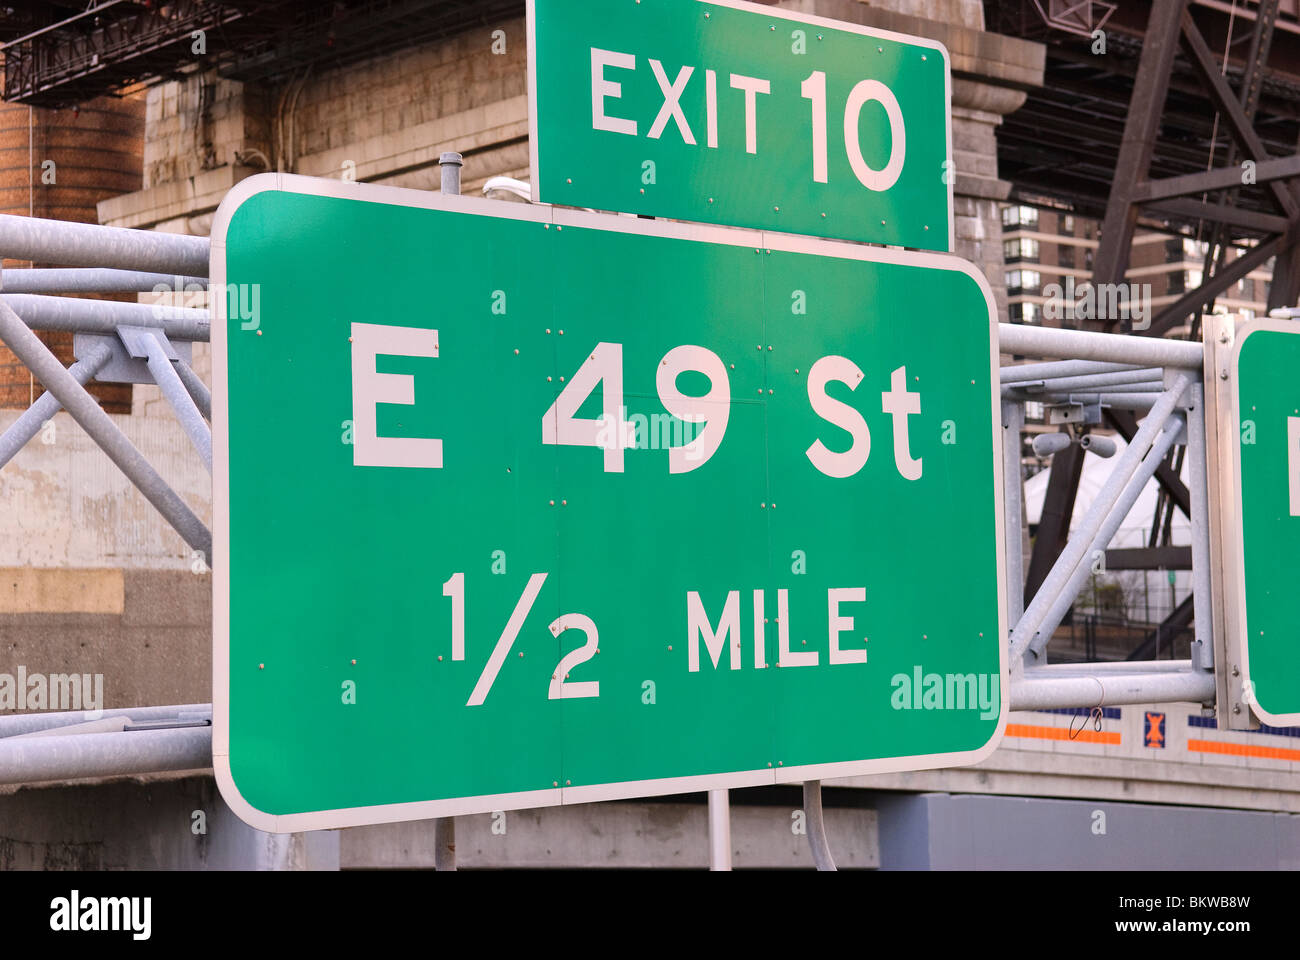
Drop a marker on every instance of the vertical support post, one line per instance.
(1202, 617)
(812, 810)
(449, 165)
(1013, 421)
(444, 844)
(719, 830)
(1232, 708)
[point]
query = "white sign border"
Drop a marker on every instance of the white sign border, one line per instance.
(560, 217)
(1234, 547)
(775, 13)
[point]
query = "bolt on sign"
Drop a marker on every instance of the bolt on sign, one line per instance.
(1261, 527)
(519, 506)
(744, 115)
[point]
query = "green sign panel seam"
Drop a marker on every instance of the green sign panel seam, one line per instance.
(326, 568)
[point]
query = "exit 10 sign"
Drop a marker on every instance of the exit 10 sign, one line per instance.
(739, 114)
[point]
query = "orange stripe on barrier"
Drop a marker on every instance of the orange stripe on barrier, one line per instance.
(1242, 750)
(1086, 735)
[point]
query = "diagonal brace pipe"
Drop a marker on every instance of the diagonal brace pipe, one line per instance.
(197, 388)
(22, 430)
(1077, 546)
(157, 353)
(1145, 471)
(92, 418)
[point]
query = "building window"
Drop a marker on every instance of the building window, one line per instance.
(1019, 216)
(1064, 255)
(1177, 283)
(1065, 225)
(1021, 248)
(1025, 313)
(1023, 281)
(1087, 258)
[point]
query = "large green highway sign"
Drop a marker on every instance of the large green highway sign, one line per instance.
(734, 113)
(519, 506)
(1264, 557)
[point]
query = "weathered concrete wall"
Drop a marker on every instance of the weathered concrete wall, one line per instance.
(199, 125)
(156, 823)
(163, 824)
(93, 581)
(67, 505)
(632, 835)
(182, 823)
(148, 633)
(384, 120)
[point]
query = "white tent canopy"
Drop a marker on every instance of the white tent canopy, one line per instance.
(1136, 528)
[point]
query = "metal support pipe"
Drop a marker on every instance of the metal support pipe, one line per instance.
(719, 830)
(1136, 376)
(75, 757)
(1077, 546)
(1013, 421)
(1120, 401)
(1040, 693)
(25, 723)
(1114, 517)
(1202, 588)
(198, 390)
(444, 844)
(812, 811)
(89, 245)
(97, 280)
(449, 165)
(92, 418)
(105, 316)
(1023, 391)
(173, 390)
(1108, 666)
(47, 405)
(1098, 445)
(1087, 345)
(1030, 372)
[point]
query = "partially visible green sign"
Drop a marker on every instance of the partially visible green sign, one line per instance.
(1266, 376)
(728, 112)
(517, 506)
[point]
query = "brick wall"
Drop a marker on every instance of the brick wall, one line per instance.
(59, 164)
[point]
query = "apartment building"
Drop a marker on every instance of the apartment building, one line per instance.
(1042, 247)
